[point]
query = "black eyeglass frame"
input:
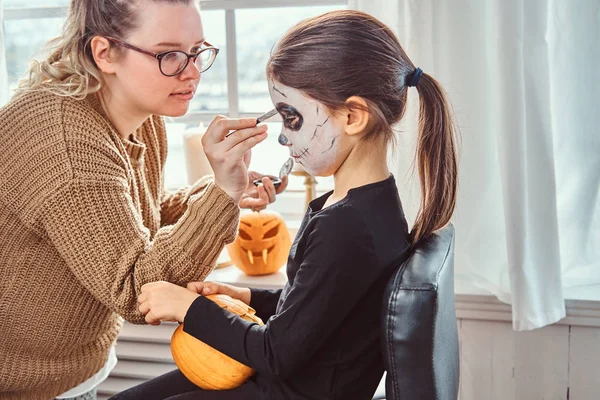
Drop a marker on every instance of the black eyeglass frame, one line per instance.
(159, 56)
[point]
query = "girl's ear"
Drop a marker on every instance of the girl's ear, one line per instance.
(102, 53)
(357, 115)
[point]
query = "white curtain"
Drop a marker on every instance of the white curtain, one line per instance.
(524, 79)
(3, 73)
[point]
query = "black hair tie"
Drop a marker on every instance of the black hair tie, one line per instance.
(415, 78)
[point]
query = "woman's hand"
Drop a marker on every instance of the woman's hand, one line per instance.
(164, 301)
(258, 197)
(206, 288)
(229, 157)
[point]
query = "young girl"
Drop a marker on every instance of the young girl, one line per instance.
(84, 215)
(339, 81)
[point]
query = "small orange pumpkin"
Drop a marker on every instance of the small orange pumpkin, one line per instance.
(262, 245)
(203, 365)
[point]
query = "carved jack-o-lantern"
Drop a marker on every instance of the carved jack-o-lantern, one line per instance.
(262, 245)
(203, 365)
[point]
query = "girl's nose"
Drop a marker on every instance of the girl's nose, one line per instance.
(283, 140)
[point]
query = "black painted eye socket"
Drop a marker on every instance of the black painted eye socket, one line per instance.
(291, 122)
(292, 119)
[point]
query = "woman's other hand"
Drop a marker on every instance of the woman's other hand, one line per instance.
(207, 288)
(258, 197)
(229, 157)
(164, 301)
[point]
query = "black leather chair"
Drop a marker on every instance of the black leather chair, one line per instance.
(419, 334)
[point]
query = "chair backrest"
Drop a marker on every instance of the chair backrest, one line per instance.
(419, 334)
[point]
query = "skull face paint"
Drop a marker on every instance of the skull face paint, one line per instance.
(308, 131)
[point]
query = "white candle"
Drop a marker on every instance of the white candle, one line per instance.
(196, 163)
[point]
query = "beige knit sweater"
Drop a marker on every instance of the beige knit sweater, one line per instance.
(84, 223)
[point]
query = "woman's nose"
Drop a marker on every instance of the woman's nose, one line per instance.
(191, 71)
(283, 140)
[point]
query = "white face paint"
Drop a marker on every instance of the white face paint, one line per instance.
(308, 131)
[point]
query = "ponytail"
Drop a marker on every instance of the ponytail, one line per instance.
(436, 160)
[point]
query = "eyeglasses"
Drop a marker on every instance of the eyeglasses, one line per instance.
(173, 62)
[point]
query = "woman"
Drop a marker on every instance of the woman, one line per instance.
(85, 219)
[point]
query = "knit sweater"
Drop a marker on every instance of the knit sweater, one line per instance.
(84, 223)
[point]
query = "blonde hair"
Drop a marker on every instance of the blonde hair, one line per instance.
(70, 69)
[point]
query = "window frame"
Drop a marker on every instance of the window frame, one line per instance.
(229, 6)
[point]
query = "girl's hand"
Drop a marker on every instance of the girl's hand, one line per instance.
(206, 288)
(258, 197)
(229, 157)
(164, 301)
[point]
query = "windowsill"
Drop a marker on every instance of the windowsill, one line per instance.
(234, 276)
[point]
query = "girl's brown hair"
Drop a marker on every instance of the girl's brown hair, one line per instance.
(341, 54)
(70, 69)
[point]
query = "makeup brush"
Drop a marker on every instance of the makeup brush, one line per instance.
(260, 119)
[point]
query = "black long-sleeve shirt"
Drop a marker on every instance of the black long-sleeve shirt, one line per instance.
(321, 339)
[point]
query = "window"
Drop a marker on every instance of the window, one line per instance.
(35, 3)
(235, 86)
(24, 39)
